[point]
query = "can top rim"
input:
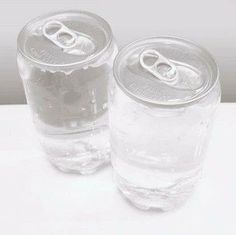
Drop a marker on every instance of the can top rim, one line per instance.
(137, 43)
(81, 63)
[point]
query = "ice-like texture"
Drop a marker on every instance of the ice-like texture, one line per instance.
(66, 102)
(70, 112)
(157, 152)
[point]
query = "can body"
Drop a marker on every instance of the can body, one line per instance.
(69, 107)
(157, 151)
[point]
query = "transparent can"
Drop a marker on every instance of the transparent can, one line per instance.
(65, 60)
(161, 107)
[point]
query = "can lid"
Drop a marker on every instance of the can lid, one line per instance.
(65, 39)
(165, 71)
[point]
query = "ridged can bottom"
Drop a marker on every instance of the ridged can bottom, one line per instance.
(158, 199)
(82, 153)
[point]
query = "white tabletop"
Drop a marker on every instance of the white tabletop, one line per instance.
(36, 199)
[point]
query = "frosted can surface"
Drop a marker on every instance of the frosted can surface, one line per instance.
(65, 61)
(161, 106)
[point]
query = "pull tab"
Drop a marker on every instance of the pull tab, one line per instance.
(159, 66)
(72, 43)
(59, 34)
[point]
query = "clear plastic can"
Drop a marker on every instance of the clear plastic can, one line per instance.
(65, 60)
(161, 107)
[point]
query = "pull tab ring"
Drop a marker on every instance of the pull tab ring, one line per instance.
(159, 66)
(59, 34)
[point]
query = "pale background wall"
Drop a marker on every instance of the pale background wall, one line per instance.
(211, 23)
